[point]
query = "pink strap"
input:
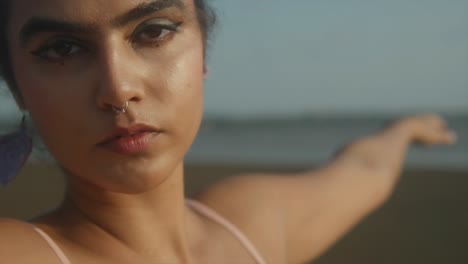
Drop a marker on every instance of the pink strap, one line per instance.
(200, 208)
(211, 214)
(53, 245)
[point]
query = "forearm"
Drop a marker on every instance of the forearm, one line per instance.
(325, 204)
(395, 142)
(378, 158)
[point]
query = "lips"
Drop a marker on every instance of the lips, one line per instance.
(132, 140)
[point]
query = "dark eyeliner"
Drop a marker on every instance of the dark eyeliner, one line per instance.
(169, 26)
(174, 27)
(40, 52)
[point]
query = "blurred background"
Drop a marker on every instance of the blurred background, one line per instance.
(293, 81)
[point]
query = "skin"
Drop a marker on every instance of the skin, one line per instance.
(130, 209)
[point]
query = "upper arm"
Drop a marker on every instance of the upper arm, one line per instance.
(253, 204)
(325, 204)
(293, 217)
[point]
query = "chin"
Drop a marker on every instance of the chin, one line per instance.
(134, 177)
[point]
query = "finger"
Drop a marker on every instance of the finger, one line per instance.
(451, 137)
(436, 137)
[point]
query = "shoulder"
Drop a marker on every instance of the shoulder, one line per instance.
(13, 234)
(17, 238)
(245, 196)
(256, 206)
(11, 229)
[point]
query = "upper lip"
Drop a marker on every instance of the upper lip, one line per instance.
(127, 131)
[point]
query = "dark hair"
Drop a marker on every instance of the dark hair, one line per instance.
(205, 14)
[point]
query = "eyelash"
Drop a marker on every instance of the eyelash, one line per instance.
(166, 30)
(55, 45)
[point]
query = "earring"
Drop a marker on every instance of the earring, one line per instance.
(15, 149)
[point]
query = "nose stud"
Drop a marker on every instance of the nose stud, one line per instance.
(120, 110)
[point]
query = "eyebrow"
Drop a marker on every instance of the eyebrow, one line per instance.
(38, 25)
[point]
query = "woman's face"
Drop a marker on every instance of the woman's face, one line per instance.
(74, 59)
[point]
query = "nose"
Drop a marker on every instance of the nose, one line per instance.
(119, 78)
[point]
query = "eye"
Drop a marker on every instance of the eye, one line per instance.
(57, 50)
(155, 31)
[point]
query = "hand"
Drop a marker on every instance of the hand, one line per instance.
(429, 129)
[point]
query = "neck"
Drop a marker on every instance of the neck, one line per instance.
(153, 224)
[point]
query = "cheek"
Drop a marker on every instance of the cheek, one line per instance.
(42, 104)
(189, 75)
(184, 95)
(51, 100)
(47, 88)
(55, 120)
(190, 88)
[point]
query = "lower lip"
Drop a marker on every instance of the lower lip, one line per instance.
(132, 145)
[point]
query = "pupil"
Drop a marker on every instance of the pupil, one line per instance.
(154, 32)
(63, 49)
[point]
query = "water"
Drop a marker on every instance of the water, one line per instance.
(305, 142)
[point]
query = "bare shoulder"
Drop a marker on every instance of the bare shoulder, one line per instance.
(13, 234)
(17, 238)
(11, 229)
(245, 197)
(254, 204)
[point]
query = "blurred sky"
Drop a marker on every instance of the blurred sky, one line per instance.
(273, 58)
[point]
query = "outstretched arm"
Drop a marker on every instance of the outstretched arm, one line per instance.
(295, 218)
(323, 205)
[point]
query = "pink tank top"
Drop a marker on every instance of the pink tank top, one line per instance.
(198, 207)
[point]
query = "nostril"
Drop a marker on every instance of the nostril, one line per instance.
(112, 97)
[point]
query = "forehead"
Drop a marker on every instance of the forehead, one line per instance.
(89, 11)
